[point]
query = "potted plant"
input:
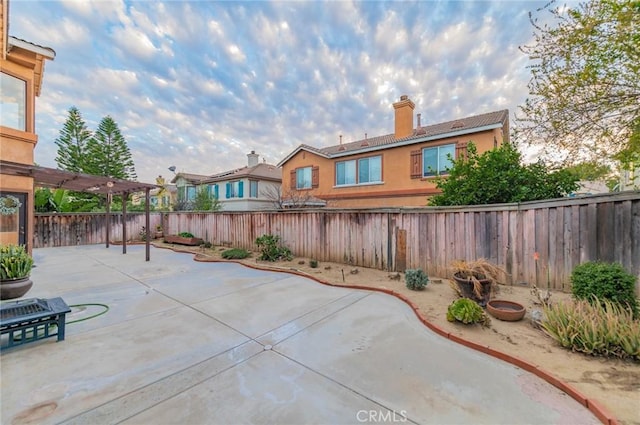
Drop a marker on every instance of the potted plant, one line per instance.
(159, 231)
(15, 269)
(476, 279)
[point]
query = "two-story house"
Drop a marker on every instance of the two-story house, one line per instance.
(393, 170)
(250, 188)
(21, 74)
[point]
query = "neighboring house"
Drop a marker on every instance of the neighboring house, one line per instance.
(163, 198)
(186, 186)
(394, 170)
(630, 179)
(590, 187)
(21, 75)
(250, 188)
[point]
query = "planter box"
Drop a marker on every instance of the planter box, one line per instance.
(182, 240)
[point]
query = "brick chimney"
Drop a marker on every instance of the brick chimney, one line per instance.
(252, 159)
(404, 117)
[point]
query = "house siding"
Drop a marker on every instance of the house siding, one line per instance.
(17, 145)
(398, 186)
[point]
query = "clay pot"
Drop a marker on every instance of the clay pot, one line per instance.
(14, 288)
(509, 311)
(466, 287)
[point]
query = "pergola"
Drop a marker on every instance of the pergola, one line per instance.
(78, 182)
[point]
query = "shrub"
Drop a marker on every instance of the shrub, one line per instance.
(467, 311)
(235, 254)
(186, 235)
(313, 263)
(271, 250)
(207, 245)
(415, 279)
(604, 281)
(600, 328)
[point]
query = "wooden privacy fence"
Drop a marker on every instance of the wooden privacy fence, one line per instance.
(67, 229)
(563, 233)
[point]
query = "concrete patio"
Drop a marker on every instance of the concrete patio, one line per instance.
(186, 342)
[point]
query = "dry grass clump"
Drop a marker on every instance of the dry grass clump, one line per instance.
(476, 270)
(600, 328)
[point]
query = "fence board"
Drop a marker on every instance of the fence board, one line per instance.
(563, 232)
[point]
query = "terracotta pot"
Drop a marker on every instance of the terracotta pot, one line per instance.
(509, 311)
(14, 288)
(466, 287)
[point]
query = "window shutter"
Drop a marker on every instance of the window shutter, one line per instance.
(215, 192)
(315, 177)
(416, 164)
(293, 180)
(228, 187)
(461, 150)
(240, 189)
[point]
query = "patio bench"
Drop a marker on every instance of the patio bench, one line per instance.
(31, 320)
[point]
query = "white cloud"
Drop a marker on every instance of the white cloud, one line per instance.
(196, 81)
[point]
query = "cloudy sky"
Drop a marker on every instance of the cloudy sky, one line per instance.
(199, 84)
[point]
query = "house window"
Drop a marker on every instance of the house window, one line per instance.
(362, 171)
(235, 189)
(13, 102)
(370, 170)
(253, 188)
(345, 172)
(191, 193)
(435, 160)
(303, 178)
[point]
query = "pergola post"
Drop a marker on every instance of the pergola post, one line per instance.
(147, 201)
(125, 196)
(108, 218)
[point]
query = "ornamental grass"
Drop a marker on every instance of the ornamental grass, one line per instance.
(598, 328)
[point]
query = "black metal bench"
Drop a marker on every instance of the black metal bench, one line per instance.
(31, 320)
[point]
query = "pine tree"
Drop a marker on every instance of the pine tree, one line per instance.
(108, 152)
(72, 143)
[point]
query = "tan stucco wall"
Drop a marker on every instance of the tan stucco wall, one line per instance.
(397, 189)
(16, 145)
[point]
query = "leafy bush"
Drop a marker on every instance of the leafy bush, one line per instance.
(186, 235)
(415, 279)
(600, 328)
(498, 176)
(207, 245)
(604, 281)
(313, 263)
(235, 254)
(467, 311)
(271, 250)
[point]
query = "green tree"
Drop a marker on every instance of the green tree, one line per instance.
(72, 143)
(498, 176)
(205, 201)
(585, 80)
(108, 153)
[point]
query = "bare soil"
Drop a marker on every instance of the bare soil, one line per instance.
(614, 383)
